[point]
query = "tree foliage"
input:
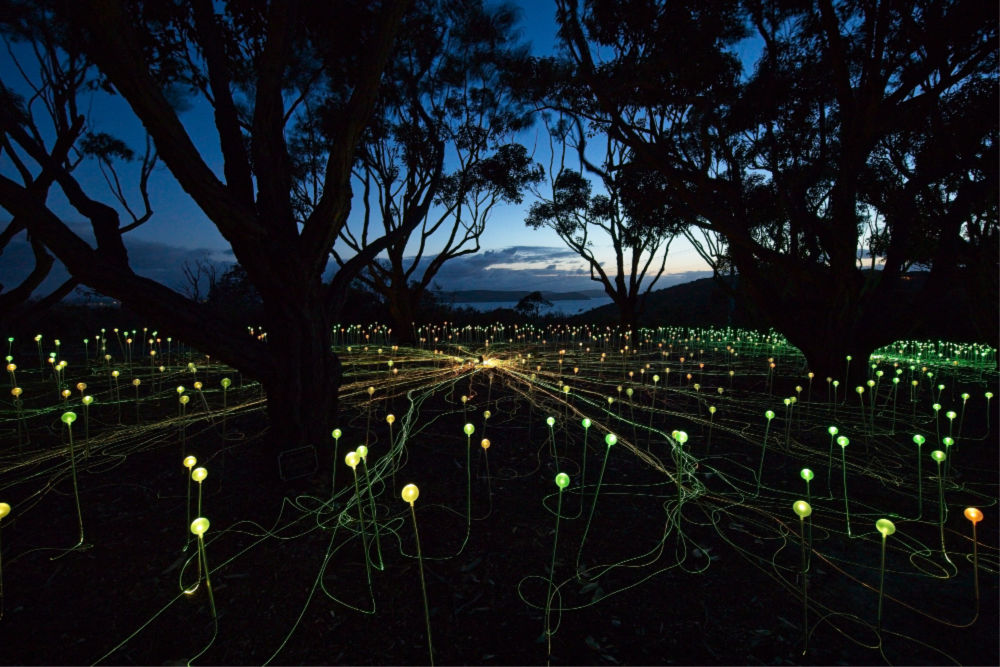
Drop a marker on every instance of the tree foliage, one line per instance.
(859, 123)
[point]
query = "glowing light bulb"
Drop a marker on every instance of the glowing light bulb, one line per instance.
(938, 455)
(199, 475)
(336, 433)
(610, 439)
(190, 462)
(184, 400)
(832, 430)
(806, 474)
(5, 510)
(81, 386)
(885, 527)
(352, 459)
(200, 526)
(410, 493)
(802, 508)
(485, 444)
(68, 417)
(87, 400)
(586, 422)
(487, 414)
(180, 389)
(843, 441)
(551, 421)
(680, 436)
(225, 382)
(769, 414)
(919, 439)
(562, 480)
(971, 513)
(390, 418)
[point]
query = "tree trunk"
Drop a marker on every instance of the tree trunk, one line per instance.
(402, 310)
(302, 386)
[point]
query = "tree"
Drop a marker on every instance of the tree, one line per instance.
(853, 109)
(253, 66)
(531, 304)
(638, 237)
(454, 106)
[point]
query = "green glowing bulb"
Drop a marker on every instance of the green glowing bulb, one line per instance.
(806, 474)
(562, 480)
(919, 439)
(937, 407)
(362, 452)
(849, 357)
(951, 414)
(352, 459)
(586, 422)
(680, 436)
(802, 508)
(711, 409)
(965, 396)
(87, 400)
(68, 417)
(843, 441)
(410, 493)
(948, 441)
(885, 527)
(199, 475)
(336, 433)
(989, 395)
(469, 429)
(199, 526)
(769, 414)
(225, 382)
(610, 439)
(938, 455)
(787, 402)
(832, 430)
(860, 390)
(656, 378)
(551, 421)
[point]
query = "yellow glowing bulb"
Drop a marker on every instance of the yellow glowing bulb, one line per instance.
(4, 510)
(199, 475)
(390, 418)
(352, 459)
(885, 527)
(199, 526)
(136, 382)
(190, 462)
(197, 385)
(410, 493)
(11, 367)
(87, 400)
(81, 386)
(184, 400)
(65, 393)
(362, 452)
(485, 443)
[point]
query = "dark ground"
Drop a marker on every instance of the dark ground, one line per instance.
(712, 581)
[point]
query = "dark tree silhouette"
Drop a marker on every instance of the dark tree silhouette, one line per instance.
(853, 110)
(639, 239)
(531, 304)
(254, 66)
(453, 107)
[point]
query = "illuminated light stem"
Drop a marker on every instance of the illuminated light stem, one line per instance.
(942, 512)
(423, 584)
(361, 519)
(203, 566)
(5, 510)
(593, 506)
(805, 589)
(843, 469)
(763, 450)
(371, 500)
(886, 528)
(68, 419)
(552, 570)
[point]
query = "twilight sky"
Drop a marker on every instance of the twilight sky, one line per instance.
(512, 256)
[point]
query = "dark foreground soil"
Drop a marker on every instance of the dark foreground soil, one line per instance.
(705, 572)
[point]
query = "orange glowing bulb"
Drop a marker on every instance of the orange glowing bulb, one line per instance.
(973, 515)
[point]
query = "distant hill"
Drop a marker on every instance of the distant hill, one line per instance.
(700, 302)
(490, 296)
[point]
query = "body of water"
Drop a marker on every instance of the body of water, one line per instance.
(566, 307)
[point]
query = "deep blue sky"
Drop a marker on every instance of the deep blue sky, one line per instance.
(513, 257)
